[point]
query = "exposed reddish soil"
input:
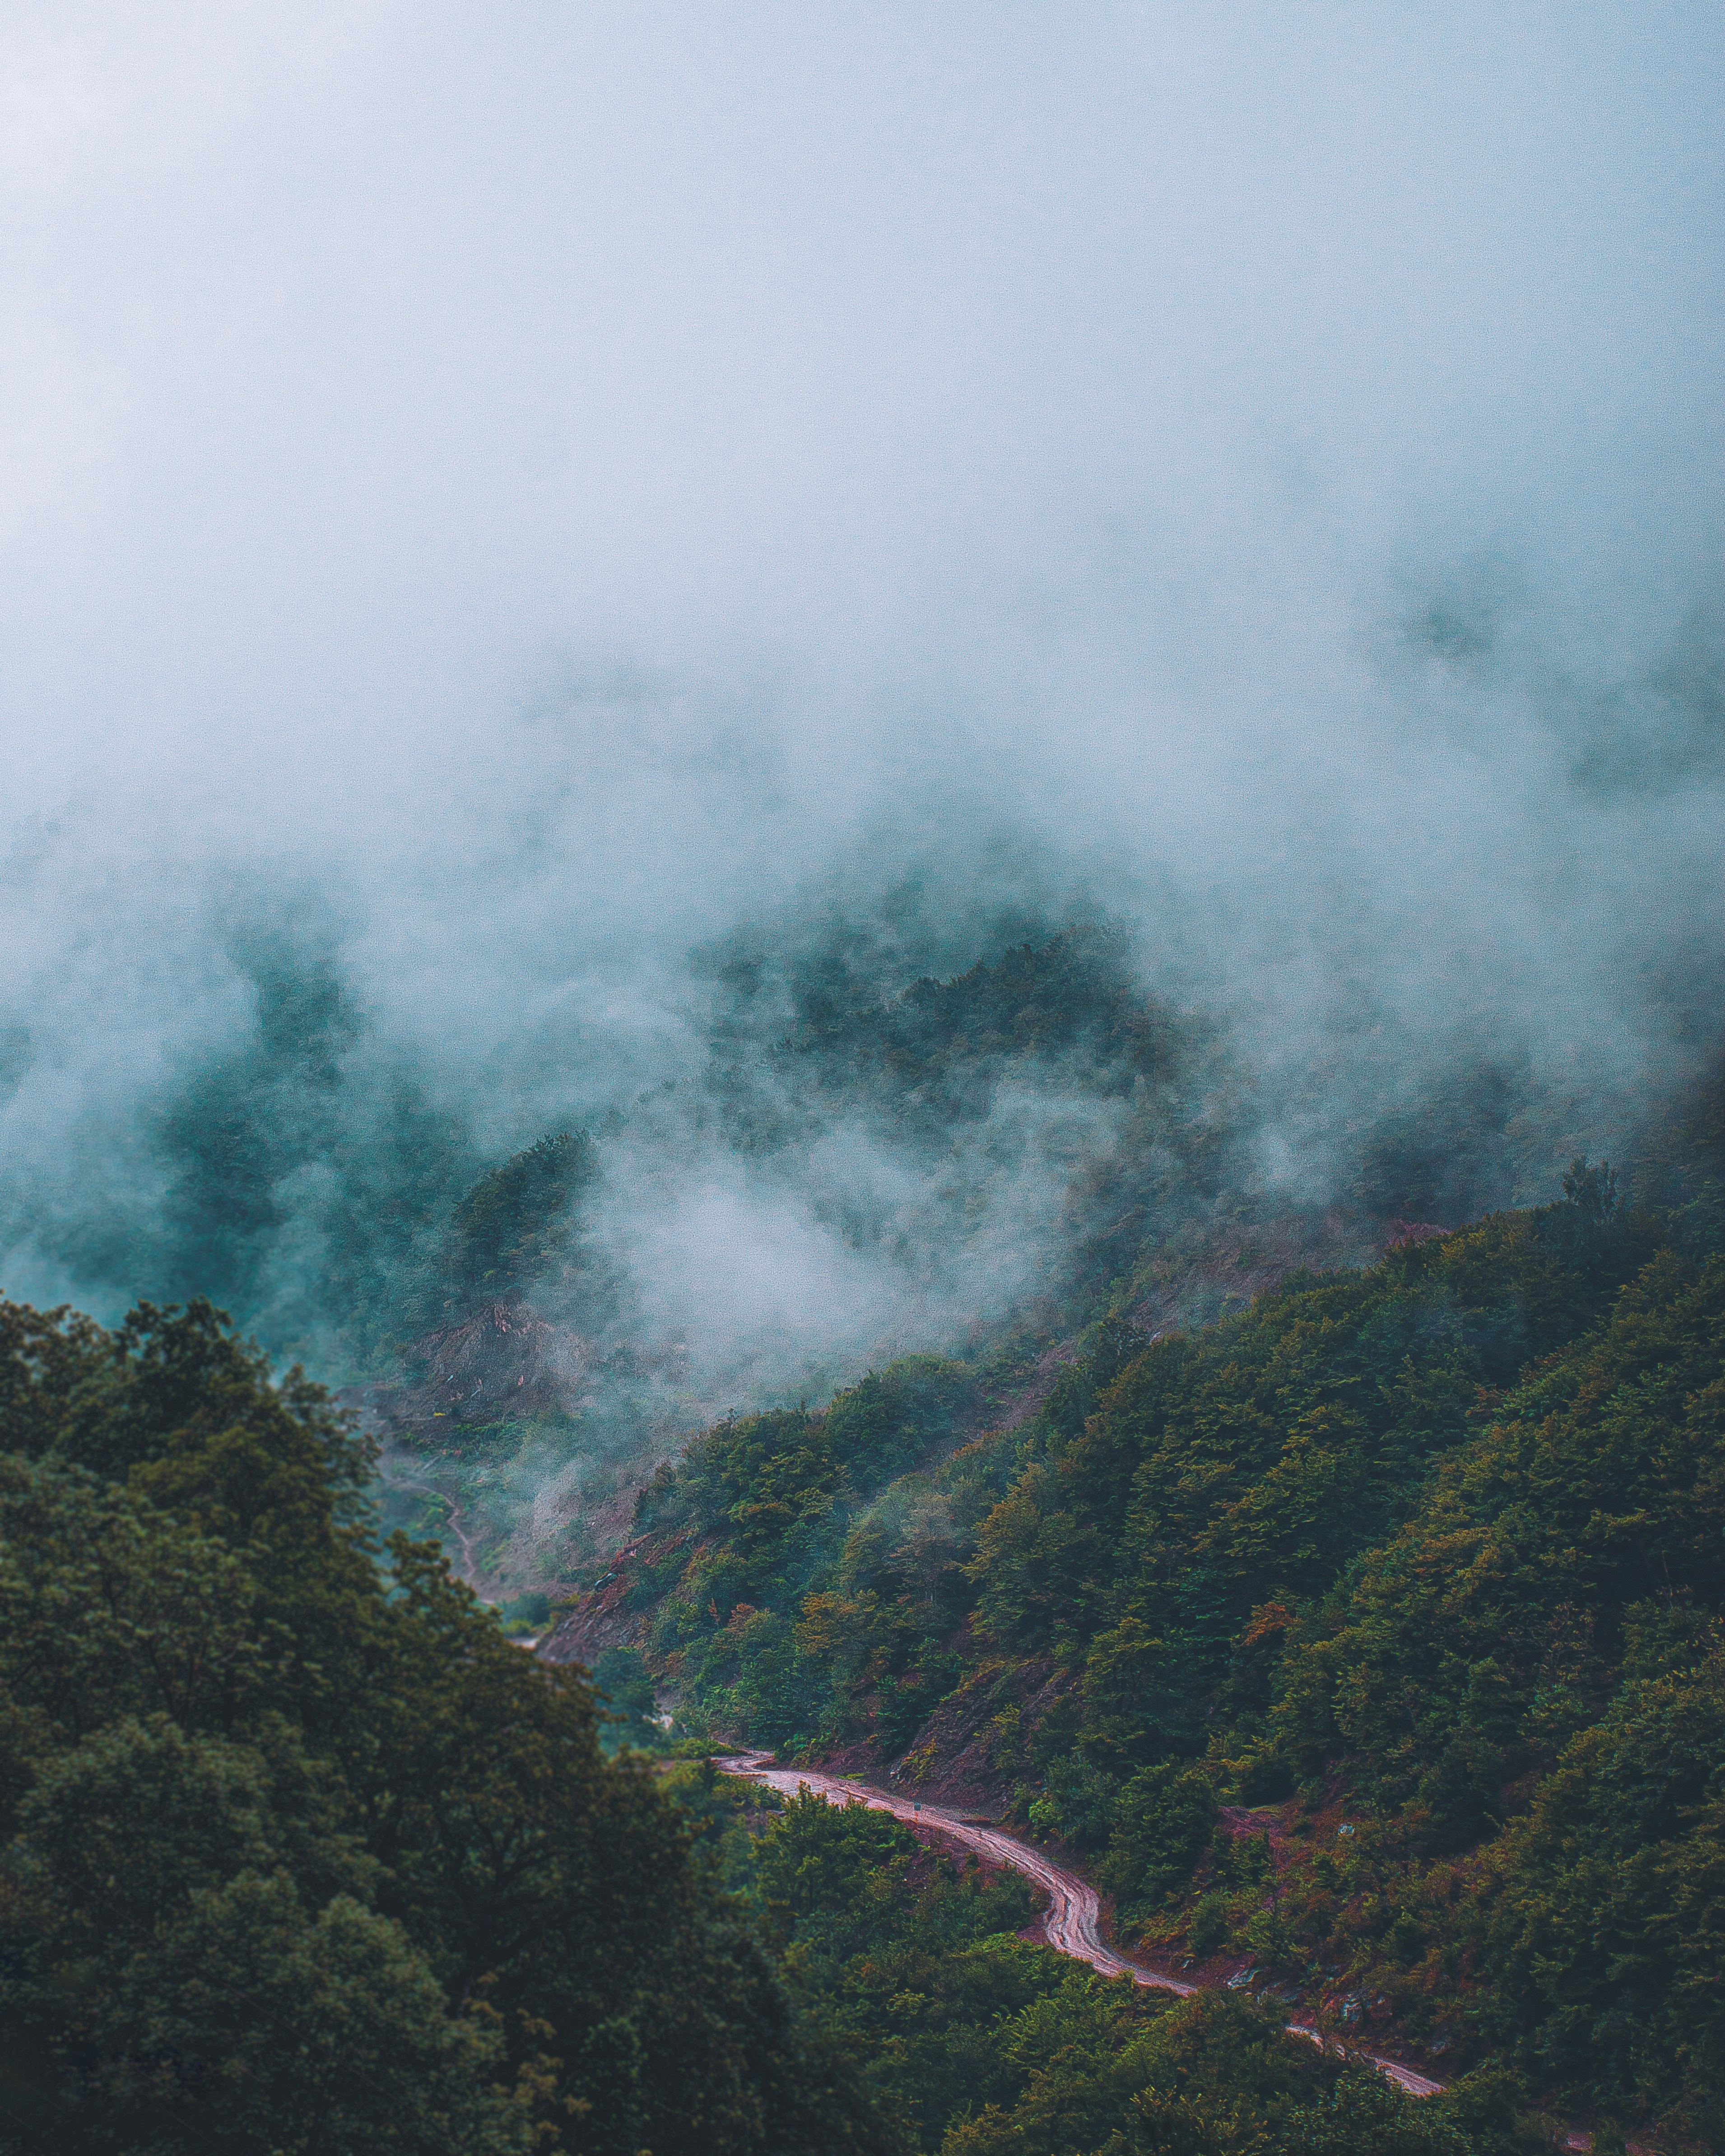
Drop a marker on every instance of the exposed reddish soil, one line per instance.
(598, 1620)
(507, 1360)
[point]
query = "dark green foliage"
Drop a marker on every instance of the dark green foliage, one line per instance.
(880, 1428)
(1099, 2070)
(1162, 1821)
(1164, 1515)
(818, 1858)
(310, 1184)
(517, 1227)
(1682, 1167)
(976, 2044)
(1607, 1922)
(524, 1614)
(1209, 1928)
(857, 1028)
(624, 1685)
(1443, 1534)
(913, 1964)
(1451, 1154)
(1363, 2116)
(793, 1499)
(937, 1048)
(295, 1855)
(300, 1083)
(979, 2045)
(1491, 1622)
(1222, 1472)
(1489, 2107)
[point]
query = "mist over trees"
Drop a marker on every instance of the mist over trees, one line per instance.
(1371, 1636)
(883, 812)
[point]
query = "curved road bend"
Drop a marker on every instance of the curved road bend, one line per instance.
(1073, 1923)
(448, 1524)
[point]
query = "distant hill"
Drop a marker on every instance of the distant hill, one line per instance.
(997, 1158)
(1369, 1633)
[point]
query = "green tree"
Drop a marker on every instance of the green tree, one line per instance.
(296, 1849)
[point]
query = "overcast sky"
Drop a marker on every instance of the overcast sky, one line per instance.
(361, 362)
(539, 482)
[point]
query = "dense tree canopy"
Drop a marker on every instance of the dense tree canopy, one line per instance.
(1422, 1561)
(1369, 1643)
(300, 1853)
(974, 2042)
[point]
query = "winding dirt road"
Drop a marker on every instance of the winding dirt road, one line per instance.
(1073, 1922)
(467, 1569)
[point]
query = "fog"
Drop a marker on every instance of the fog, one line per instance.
(500, 508)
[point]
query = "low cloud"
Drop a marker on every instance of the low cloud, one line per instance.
(523, 526)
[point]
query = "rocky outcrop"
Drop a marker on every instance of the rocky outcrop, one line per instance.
(506, 1360)
(968, 1752)
(598, 1619)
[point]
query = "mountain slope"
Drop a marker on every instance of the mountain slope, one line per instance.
(1420, 1562)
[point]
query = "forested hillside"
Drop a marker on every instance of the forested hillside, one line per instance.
(1369, 1637)
(980, 1162)
(297, 1852)
(299, 1857)
(898, 1124)
(1355, 1618)
(974, 2042)
(862, 1079)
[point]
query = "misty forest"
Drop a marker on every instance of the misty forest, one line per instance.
(862, 1082)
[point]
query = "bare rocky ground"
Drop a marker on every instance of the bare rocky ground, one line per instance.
(598, 1619)
(507, 1361)
(465, 1426)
